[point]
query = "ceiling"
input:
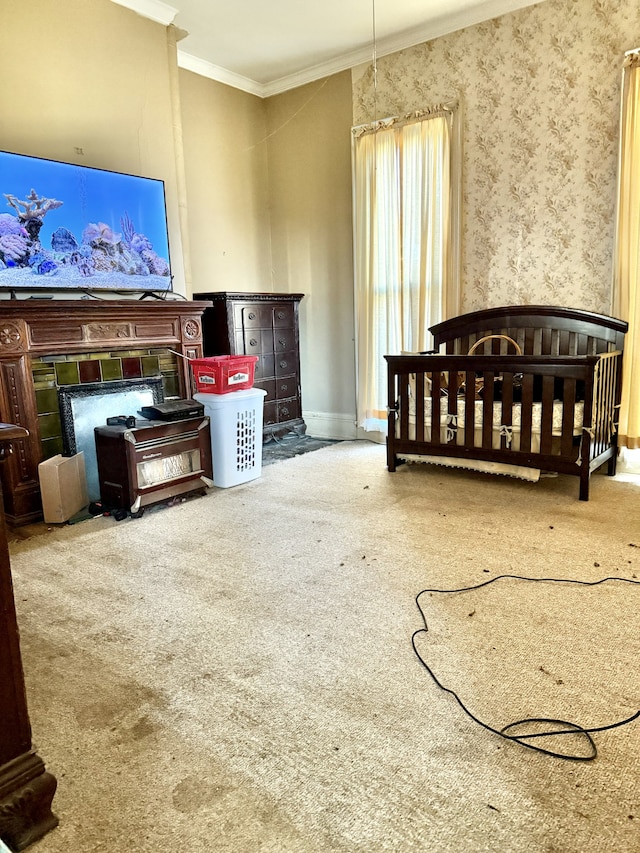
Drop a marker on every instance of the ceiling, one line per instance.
(269, 46)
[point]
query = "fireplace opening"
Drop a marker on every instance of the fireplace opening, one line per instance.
(51, 372)
(86, 406)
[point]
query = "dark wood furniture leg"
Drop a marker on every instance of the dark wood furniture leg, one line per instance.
(26, 789)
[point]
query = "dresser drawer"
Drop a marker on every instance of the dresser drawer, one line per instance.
(265, 366)
(270, 413)
(286, 387)
(288, 410)
(269, 385)
(284, 339)
(254, 341)
(284, 316)
(286, 364)
(252, 316)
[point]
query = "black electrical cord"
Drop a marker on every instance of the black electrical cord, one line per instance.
(561, 727)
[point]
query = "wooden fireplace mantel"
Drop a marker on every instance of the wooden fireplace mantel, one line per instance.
(35, 327)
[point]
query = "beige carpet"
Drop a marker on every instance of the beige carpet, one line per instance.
(235, 673)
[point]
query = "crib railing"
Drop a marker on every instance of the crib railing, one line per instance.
(449, 383)
(606, 394)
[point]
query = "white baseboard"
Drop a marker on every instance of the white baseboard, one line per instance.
(330, 425)
(371, 435)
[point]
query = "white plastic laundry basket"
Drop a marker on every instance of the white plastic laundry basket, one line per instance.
(236, 434)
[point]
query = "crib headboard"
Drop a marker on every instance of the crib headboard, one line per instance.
(538, 329)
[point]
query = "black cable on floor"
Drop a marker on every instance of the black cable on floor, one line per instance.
(555, 728)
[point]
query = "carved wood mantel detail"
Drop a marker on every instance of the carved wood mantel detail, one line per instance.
(107, 332)
(33, 328)
(12, 336)
(191, 329)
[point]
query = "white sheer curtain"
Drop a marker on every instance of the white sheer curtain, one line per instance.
(406, 202)
(626, 284)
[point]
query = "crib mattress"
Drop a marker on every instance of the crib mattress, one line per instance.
(452, 428)
(498, 418)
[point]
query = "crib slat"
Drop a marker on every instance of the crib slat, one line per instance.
(469, 409)
(436, 394)
(526, 413)
(507, 409)
(487, 410)
(546, 424)
(420, 394)
(529, 341)
(568, 416)
(451, 427)
(403, 397)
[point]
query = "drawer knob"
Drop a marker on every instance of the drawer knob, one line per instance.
(284, 411)
(284, 387)
(253, 342)
(282, 342)
(281, 315)
(283, 364)
(252, 315)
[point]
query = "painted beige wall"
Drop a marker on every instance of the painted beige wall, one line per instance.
(87, 81)
(225, 155)
(540, 91)
(310, 197)
(268, 183)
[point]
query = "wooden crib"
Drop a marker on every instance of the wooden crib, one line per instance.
(513, 390)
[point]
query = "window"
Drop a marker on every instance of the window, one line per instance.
(406, 214)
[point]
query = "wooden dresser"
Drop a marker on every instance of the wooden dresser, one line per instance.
(266, 325)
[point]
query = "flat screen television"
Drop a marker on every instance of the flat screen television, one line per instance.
(64, 226)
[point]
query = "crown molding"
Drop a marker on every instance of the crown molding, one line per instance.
(400, 41)
(442, 26)
(156, 10)
(221, 75)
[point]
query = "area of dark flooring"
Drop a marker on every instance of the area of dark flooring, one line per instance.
(280, 447)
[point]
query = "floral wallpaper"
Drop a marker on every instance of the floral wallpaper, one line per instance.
(540, 96)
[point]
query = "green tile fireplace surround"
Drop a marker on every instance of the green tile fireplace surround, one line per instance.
(51, 372)
(45, 346)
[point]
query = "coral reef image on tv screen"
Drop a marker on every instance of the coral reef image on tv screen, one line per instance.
(69, 226)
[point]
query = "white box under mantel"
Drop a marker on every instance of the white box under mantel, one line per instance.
(63, 486)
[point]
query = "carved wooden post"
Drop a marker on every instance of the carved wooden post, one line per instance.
(26, 789)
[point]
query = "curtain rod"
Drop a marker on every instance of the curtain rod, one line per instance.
(396, 121)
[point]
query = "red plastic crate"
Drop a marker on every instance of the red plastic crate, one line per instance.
(220, 374)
